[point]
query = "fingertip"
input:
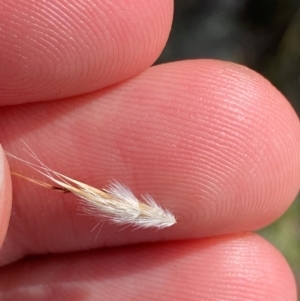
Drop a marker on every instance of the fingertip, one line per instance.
(247, 138)
(236, 267)
(5, 195)
(47, 53)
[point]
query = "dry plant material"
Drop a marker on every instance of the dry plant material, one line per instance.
(116, 203)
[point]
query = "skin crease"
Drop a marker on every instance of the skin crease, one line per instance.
(212, 141)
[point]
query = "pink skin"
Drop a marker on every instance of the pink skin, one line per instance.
(212, 141)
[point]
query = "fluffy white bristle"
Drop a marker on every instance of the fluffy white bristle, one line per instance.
(116, 203)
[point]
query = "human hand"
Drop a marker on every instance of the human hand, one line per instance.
(212, 141)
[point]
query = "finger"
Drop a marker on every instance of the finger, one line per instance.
(213, 142)
(56, 49)
(5, 196)
(229, 268)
